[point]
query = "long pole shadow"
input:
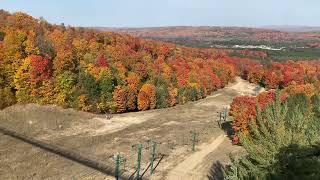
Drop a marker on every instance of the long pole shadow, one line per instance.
(76, 157)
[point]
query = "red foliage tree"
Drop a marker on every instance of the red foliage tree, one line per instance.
(243, 109)
(265, 98)
(102, 61)
(272, 79)
(40, 69)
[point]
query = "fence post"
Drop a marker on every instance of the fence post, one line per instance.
(194, 139)
(139, 161)
(153, 154)
(225, 114)
(117, 159)
(220, 119)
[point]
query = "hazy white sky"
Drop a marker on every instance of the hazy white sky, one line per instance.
(146, 13)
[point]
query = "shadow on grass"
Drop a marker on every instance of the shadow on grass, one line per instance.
(216, 171)
(60, 151)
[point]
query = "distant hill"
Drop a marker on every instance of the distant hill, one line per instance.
(279, 42)
(185, 31)
(214, 36)
(293, 28)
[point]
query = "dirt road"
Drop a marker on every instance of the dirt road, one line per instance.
(188, 169)
(200, 164)
(100, 138)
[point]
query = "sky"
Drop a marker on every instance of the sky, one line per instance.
(155, 13)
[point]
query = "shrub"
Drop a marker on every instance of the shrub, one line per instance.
(83, 103)
(7, 98)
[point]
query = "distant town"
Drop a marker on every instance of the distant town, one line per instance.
(257, 47)
(249, 47)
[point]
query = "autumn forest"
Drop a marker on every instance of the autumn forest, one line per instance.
(102, 72)
(105, 72)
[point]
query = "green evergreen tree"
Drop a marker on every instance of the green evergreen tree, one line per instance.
(106, 84)
(275, 147)
(315, 100)
(90, 86)
(162, 94)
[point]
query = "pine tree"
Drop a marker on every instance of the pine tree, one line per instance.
(273, 134)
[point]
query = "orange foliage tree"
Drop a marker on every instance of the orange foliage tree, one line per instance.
(243, 109)
(307, 89)
(147, 97)
(120, 98)
(131, 99)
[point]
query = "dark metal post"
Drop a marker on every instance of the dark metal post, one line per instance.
(139, 161)
(194, 139)
(153, 155)
(117, 170)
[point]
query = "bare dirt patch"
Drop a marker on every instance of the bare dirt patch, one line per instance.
(100, 138)
(170, 123)
(119, 122)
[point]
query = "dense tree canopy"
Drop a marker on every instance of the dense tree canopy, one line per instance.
(101, 71)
